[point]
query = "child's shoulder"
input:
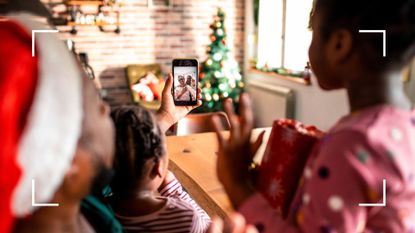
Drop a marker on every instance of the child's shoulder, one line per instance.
(381, 133)
(379, 124)
(179, 205)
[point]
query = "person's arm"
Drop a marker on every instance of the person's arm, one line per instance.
(168, 113)
(184, 90)
(346, 172)
(234, 224)
(172, 188)
(192, 93)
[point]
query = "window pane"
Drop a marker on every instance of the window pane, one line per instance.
(269, 33)
(297, 35)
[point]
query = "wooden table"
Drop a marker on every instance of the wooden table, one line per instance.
(193, 161)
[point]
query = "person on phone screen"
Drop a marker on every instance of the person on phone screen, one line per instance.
(182, 92)
(192, 89)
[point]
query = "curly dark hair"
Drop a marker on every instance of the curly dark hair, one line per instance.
(397, 17)
(138, 139)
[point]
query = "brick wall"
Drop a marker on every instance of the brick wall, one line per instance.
(156, 35)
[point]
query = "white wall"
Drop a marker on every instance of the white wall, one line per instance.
(313, 106)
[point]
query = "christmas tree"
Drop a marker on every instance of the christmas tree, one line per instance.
(219, 76)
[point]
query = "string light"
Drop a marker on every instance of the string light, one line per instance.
(208, 97)
(217, 74)
(209, 62)
(215, 97)
(217, 56)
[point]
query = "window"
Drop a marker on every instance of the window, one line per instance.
(283, 34)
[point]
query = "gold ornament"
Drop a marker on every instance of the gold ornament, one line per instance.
(208, 85)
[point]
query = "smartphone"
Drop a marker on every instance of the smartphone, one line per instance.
(185, 81)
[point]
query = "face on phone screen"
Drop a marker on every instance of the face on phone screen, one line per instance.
(185, 85)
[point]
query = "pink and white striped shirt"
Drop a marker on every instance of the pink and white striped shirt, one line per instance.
(180, 214)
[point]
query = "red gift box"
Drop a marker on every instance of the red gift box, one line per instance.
(285, 156)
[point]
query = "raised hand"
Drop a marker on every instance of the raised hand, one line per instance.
(235, 224)
(168, 113)
(235, 154)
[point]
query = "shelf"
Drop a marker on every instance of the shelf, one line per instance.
(92, 24)
(80, 3)
(288, 78)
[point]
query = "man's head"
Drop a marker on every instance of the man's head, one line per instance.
(189, 80)
(92, 161)
(181, 80)
(61, 137)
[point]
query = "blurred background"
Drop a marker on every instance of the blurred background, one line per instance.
(259, 46)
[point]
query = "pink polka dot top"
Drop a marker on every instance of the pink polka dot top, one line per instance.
(359, 178)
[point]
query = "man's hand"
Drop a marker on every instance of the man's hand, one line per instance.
(235, 224)
(235, 154)
(169, 114)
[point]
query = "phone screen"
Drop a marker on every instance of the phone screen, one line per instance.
(185, 75)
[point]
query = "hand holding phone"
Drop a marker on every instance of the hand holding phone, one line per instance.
(185, 82)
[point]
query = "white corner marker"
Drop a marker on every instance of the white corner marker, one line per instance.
(383, 34)
(34, 34)
(383, 204)
(40, 204)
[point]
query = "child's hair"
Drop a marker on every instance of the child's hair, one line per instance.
(138, 139)
(397, 17)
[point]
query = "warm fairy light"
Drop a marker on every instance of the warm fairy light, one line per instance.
(215, 97)
(209, 62)
(208, 97)
(208, 85)
(217, 74)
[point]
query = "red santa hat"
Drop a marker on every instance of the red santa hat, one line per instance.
(40, 115)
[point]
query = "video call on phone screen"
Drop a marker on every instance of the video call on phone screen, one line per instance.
(185, 83)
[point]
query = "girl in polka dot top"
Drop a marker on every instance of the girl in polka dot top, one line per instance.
(361, 176)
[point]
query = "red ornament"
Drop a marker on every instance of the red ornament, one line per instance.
(307, 73)
(287, 151)
(201, 76)
(224, 41)
(212, 38)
